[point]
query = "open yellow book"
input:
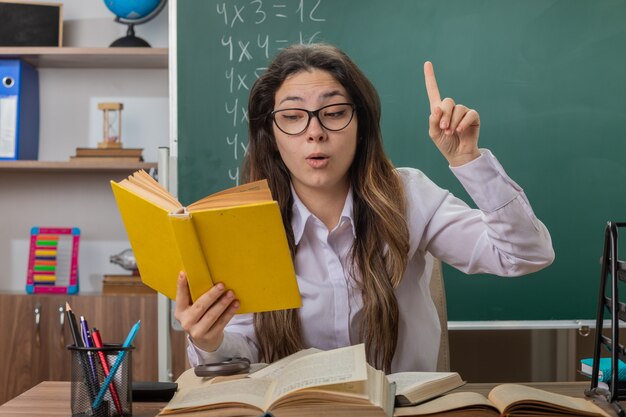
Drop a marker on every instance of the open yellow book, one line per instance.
(505, 400)
(235, 237)
(307, 384)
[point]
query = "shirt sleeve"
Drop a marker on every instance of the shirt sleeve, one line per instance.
(238, 340)
(503, 236)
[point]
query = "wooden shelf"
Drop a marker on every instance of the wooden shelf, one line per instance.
(65, 166)
(54, 57)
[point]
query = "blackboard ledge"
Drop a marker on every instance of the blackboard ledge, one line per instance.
(581, 325)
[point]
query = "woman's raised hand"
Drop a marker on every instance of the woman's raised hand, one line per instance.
(205, 319)
(453, 127)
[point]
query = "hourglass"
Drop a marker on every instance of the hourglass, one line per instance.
(112, 125)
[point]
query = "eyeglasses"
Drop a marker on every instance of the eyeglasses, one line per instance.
(333, 117)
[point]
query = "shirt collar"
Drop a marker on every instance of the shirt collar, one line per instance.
(301, 215)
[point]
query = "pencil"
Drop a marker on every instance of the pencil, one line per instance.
(78, 342)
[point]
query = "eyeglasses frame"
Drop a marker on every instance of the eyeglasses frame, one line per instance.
(311, 114)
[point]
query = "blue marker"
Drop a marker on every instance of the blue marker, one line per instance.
(118, 361)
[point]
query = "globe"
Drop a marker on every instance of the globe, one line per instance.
(132, 9)
(131, 13)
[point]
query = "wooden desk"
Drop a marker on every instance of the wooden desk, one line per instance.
(51, 399)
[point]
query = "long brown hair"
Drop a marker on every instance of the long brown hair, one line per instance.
(379, 252)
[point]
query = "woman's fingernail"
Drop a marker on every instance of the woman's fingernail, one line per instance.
(219, 287)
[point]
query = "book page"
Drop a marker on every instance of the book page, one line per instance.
(457, 403)
(273, 370)
(518, 397)
(144, 186)
(244, 391)
(329, 367)
(255, 192)
(231, 200)
(145, 180)
(370, 391)
(250, 186)
(141, 192)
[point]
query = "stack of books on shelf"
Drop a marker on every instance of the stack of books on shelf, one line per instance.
(124, 284)
(107, 155)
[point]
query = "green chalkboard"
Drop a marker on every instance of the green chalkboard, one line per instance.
(547, 76)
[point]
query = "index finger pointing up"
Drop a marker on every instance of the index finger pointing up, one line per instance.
(431, 85)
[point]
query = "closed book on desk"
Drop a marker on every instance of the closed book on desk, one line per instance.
(416, 387)
(586, 368)
(235, 237)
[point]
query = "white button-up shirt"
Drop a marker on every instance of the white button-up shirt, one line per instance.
(501, 237)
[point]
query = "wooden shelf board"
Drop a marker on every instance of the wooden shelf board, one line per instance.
(68, 57)
(61, 166)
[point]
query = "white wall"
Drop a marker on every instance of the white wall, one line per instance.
(70, 119)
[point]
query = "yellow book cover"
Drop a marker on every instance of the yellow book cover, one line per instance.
(235, 237)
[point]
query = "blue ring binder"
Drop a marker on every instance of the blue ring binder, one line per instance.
(19, 110)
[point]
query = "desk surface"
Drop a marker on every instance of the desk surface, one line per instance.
(51, 399)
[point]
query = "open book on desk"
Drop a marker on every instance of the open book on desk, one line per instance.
(504, 400)
(313, 383)
(411, 387)
(235, 237)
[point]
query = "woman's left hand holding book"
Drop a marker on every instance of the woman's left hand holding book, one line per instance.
(205, 320)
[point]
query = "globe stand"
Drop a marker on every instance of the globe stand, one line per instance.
(130, 40)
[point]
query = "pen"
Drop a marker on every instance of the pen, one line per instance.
(97, 341)
(118, 361)
(92, 363)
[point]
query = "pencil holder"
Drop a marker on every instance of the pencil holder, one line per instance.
(90, 369)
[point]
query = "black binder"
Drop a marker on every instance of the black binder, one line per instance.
(612, 272)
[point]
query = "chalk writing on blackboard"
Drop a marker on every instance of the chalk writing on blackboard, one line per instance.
(246, 56)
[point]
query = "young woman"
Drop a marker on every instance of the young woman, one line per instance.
(360, 230)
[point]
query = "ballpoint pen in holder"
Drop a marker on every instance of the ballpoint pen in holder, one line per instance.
(105, 366)
(118, 361)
